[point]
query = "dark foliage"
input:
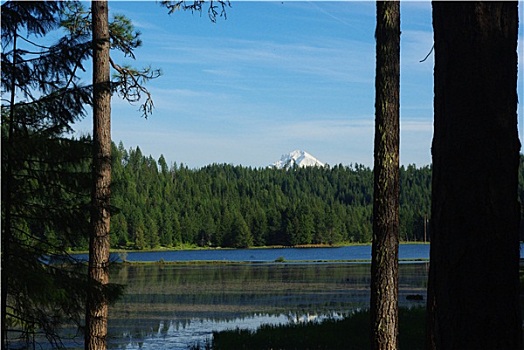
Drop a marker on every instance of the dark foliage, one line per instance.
(44, 174)
(324, 335)
(160, 205)
(235, 206)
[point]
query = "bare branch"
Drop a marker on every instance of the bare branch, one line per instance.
(430, 51)
(216, 7)
(130, 85)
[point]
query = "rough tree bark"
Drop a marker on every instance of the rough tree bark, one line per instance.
(384, 261)
(98, 275)
(473, 292)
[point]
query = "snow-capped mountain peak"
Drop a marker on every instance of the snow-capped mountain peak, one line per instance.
(298, 157)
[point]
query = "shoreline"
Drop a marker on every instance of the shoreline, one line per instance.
(197, 248)
(262, 263)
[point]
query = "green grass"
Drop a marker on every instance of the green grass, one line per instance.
(351, 332)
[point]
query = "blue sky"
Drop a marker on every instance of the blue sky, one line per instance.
(274, 77)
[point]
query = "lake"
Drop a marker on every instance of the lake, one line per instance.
(358, 253)
(173, 306)
(170, 306)
(346, 253)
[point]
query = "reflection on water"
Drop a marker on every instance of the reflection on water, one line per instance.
(181, 335)
(175, 306)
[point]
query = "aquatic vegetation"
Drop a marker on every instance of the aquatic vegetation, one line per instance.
(323, 335)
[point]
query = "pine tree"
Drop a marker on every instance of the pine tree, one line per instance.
(140, 235)
(153, 233)
(384, 259)
(44, 193)
(241, 237)
(98, 270)
(166, 230)
(473, 287)
(128, 84)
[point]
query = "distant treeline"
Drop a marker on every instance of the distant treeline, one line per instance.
(223, 205)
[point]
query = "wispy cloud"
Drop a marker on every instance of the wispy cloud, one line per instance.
(287, 76)
(258, 144)
(341, 60)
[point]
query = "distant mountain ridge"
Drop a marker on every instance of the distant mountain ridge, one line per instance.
(298, 157)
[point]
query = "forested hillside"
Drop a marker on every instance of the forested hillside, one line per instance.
(222, 205)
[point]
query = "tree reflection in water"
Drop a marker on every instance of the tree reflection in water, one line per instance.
(175, 306)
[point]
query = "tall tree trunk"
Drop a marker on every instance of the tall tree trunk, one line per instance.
(384, 261)
(97, 305)
(473, 292)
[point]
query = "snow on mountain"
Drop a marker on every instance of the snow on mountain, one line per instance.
(298, 157)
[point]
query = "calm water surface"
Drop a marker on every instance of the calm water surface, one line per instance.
(354, 253)
(172, 307)
(175, 306)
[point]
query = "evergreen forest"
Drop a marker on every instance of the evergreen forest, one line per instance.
(47, 176)
(222, 205)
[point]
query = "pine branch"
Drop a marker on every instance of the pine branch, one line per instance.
(213, 11)
(130, 85)
(35, 44)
